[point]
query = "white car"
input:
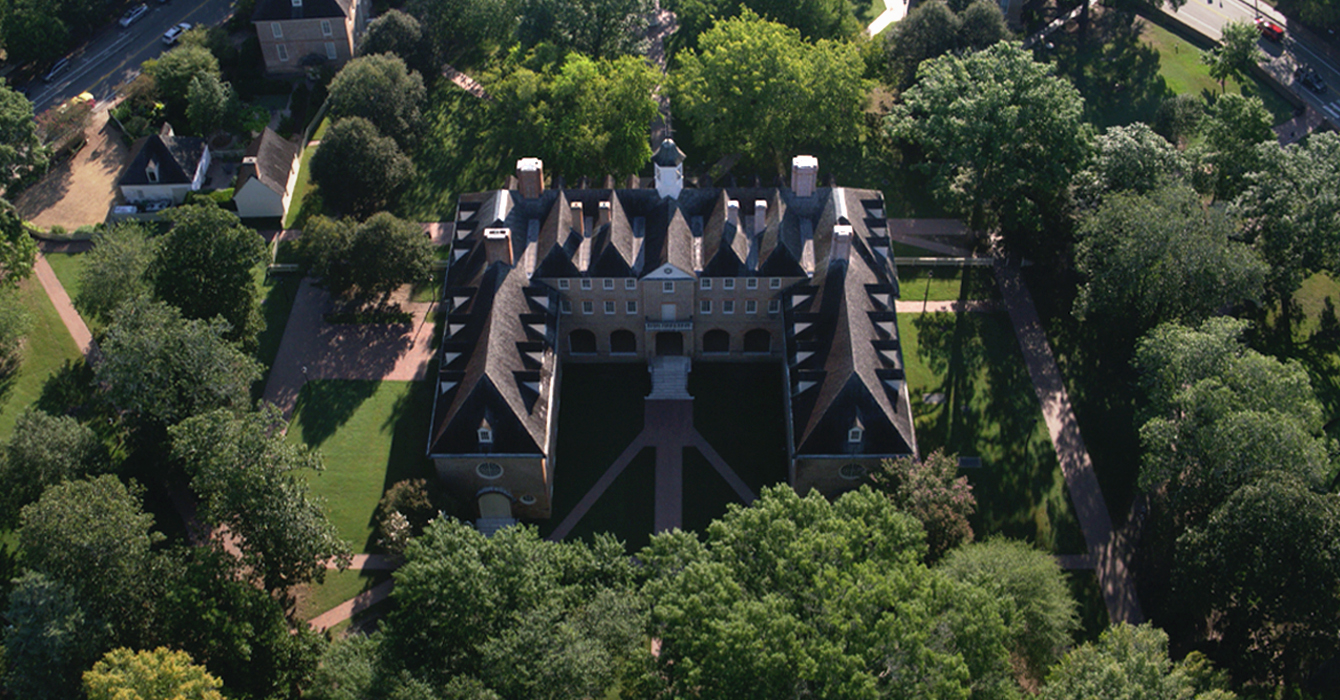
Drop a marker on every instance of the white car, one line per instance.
(134, 14)
(171, 36)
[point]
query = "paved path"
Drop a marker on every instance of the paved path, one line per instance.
(73, 322)
(465, 82)
(1111, 557)
(932, 307)
(933, 246)
(378, 352)
(366, 562)
(351, 607)
(895, 11)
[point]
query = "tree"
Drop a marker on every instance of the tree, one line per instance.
(1002, 137)
(604, 29)
(981, 24)
(44, 450)
(393, 252)
(174, 71)
(1235, 54)
(1038, 610)
(49, 639)
(93, 536)
(795, 597)
(21, 149)
(1233, 127)
(465, 30)
(756, 88)
(18, 252)
(1178, 117)
(513, 613)
(325, 246)
(1161, 256)
(815, 19)
(929, 30)
(1290, 209)
(1126, 663)
(1131, 158)
(251, 481)
(115, 270)
(161, 674)
(358, 167)
(931, 491)
(205, 266)
(1263, 572)
(208, 102)
(380, 89)
(163, 368)
(398, 33)
(34, 35)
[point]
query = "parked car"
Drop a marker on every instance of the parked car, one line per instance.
(134, 14)
(171, 36)
(56, 69)
(1269, 29)
(1310, 80)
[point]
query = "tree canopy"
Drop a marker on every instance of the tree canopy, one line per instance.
(757, 88)
(49, 639)
(1233, 127)
(1235, 54)
(21, 149)
(398, 33)
(173, 72)
(816, 19)
(161, 674)
(1129, 663)
(464, 30)
(44, 450)
(17, 249)
(933, 29)
(373, 258)
(359, 170)
(205, 266)
(382, 90)
(931, 491)
(116, 269)
(597, 28)
(1131, 158)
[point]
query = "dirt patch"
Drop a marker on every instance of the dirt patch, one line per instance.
(79, 191)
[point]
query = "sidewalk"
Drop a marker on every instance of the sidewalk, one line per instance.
(83, 339)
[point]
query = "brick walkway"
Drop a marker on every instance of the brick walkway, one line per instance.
(83, 339)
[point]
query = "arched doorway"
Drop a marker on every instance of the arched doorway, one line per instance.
(716, 340)
(582, 342)
(623, 341)
(669, 343)
(757, 340)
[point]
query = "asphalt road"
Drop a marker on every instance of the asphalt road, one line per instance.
(114, 55)
(1207, 16)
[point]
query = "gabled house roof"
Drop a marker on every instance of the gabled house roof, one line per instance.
(269, 160)
(274, 10)
(176, 159)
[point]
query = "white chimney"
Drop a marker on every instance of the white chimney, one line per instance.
(733, 212)
(530, 177)
(603, 214)
(841, 242)
(578, 221)
(497, 246)
(760, 215)
(804, 175)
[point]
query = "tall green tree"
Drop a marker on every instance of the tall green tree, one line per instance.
(464, 31)
(253, 482)
(208, 101)
(15, 321)
(173, 72)
(756, 88)
(398, 33)
(1127, 663)
(115, 270)
(934, 29)
(1002, 136)
(1162, 256)
(18, 252)
(161, 674)
(382, 90)
(1235, 54)
(49, 639)
(44, 450)
(205, 266)
(358, 169)
(387, 253)
(816, 19)
(931, 491)
(1131, 158)
(21, 150)
(597, 28)
(1233, 129)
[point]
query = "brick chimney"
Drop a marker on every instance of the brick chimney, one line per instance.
(804, 175)
(603, 214)
(497, 246)
(578, 220)
(760, 215)
(530, 177)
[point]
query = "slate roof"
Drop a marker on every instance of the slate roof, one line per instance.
(271, 10)
(177, 158)
(268, 159)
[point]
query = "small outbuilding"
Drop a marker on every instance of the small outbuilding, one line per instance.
(265, 181)
(163, 168)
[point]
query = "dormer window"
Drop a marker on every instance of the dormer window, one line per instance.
(855, 435)
(486, 436)
(151, 172)
(297, 3)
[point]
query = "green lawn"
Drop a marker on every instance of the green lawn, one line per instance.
(372, 435)
(988, 410)
(339, 587)
(277, 293)
(947, 283)
(68, 268)
(48, 346)
(739, 409)
(1308, 330)
(301, 186)
(1180, 66)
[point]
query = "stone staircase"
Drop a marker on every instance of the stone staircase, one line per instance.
(488, 526)
(669, 378)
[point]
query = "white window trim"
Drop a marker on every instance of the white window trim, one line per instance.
(751, 307)
(331, 52)
(282, 51)
(855, 435)
(774, 306)
(775, 283)
(668, 287)
(588, 307)
(630, 284)
(565, 306)
(479, 469)
(705, 283)
(705, 306)
(586, 284)
(728, 306)
(564, 284)
(631, 307)
(485, 436)
(728, 284)
(751, 283)
(607, 283)
(276, 30)
(325, 28)
(610, 308)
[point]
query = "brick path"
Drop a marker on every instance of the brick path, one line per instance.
(83, 339)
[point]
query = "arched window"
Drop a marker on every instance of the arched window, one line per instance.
(758, 340)
(716, 340)
(489, 470)
(851, 472)
(623, 341)
(582, 341)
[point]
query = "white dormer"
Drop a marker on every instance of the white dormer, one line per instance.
(485, 434)
(669, 169)
(151, 171)
(856, 432)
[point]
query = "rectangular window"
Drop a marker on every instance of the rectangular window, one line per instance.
(325, 27)
(630, 284)
(751, 283)
(728, 307)
(562, 284)
(565, 306)
(277, 30)
(728, 283)
(705, 306)
(775, 283)
(586, 284)
(751, 307)
(588, 307)
(330, 51)
(282, 51)
(632, 307)
(774, 306)
(705, 283)
(607, 283)
(609, 307)
(485, 436)
(668, 287)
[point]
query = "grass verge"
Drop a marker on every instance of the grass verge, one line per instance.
(277, 293)
(301, 185)
(47, 347)
(947, 283)
(339, 586)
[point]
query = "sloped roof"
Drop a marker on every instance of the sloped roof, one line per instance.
(271, 10)
(269, 159)
(177, 158)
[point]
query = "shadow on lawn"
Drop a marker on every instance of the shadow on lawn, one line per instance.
(1115, 71)
(332, 403)
(463, 152)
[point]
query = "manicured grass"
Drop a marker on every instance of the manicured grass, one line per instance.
(321, 129)
(47, 347)
(1308, 330)
(599, 414)
(463, 152)
(947, 283)
(1181, 68)
(627, 508)
(709, 496)
(372, 435)
(338, 587)
(738, 408)
(300, 188)
(989, 410)
(68, 268)
(277, 293)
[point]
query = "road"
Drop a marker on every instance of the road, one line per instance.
(1207, 16)
(114, 55)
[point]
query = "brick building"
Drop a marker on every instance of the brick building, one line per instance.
(802, 276)
(298, 33)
